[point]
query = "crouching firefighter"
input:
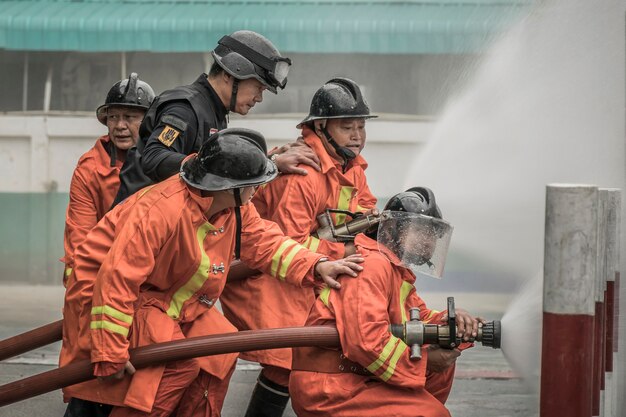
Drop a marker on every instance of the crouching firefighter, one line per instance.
(335, 131)
(374, 373)
(153, 267)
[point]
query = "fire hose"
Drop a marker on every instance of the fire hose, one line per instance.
(323, 336)
(53, 332)
(414, 333)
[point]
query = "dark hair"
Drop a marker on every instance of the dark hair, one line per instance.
(215, 70)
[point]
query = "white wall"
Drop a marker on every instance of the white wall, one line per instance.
(38, 153)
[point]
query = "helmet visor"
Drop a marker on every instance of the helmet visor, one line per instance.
(280, 72)
(417, 242)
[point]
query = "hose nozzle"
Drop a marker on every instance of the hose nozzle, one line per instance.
(490, 334)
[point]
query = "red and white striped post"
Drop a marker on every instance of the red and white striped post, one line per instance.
(600, 309)
(568, 300)
(613, 219)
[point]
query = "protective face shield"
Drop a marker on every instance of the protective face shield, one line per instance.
(416, 241)
(260, 59)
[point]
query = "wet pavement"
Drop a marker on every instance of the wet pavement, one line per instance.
(484, 386)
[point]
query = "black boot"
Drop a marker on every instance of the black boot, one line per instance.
(268, 399)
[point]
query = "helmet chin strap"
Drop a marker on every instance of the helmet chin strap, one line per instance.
(342, 151)
(238, 205)
(233, 94)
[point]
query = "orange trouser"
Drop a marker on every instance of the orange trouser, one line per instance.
(316, 394)
(199, 395)
(177, 376)
(205, 396)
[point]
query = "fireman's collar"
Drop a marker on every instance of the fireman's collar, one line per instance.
(196, 195)
(326, 161)
(370, 245)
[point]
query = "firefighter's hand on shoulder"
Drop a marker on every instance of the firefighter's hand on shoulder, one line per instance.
(110, 371)
(289, 156)
(440, 359)
(327, 271)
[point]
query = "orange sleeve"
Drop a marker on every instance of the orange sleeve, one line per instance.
(293, 202)
(107, 368)
(361, 312)
(265, 247)
(126, 266)
(366, 199)
(81, 215)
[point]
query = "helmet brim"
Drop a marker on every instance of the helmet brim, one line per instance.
(350, 116)
(212, 182)
(253, 74)
(101, 112)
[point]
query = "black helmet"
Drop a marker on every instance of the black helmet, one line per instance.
(418, 200)
(131, 92)
(230, 158)
(339, 98)
(246, 54)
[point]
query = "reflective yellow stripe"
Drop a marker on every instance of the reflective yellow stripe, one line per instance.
(287, 261)
(391, 344)
(324, 294)
(110, 311)
(430, 315)
(315, 243)
(361, 209)
(393, 362)
(279, 253)
(345, 195)
(197, 280)
(405, 290)
(144, 191)
(107, 325)
(68, 272)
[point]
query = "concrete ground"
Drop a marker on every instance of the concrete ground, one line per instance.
(485, 385)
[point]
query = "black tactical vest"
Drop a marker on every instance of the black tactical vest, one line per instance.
(202, 105)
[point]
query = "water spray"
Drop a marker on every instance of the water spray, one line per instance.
(416, 333)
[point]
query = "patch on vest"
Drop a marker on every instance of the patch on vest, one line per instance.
(168, 135)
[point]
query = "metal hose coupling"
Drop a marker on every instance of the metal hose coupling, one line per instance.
(416, 333)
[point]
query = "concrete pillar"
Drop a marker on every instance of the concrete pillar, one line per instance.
(613, 207)
(569, 300)
(599, 316)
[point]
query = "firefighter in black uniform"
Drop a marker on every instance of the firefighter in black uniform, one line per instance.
(179, 120)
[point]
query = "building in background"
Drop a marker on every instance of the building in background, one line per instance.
(58, 58)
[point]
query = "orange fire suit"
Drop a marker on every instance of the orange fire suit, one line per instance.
(155, 265)
(362, 311)
(94, 185)
(293, 202)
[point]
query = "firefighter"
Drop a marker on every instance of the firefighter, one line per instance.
(335, 131)
(372, 373)
(246, 64)
(153, 267)
(95, 180)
